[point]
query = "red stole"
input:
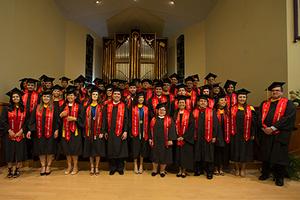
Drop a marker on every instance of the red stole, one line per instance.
(196, 113)
(247, 121)
(61, 102)
(156, 100)
(97, 122)
(208, 124)
(40, 89)
(193, 95)
(135, 122)
(279, 112)
(211, 103)
(126, 93)
(231, 100)
(149, 93)
(183, 126)
(33, 100)
(120, 117)
(48, 122)
(16, 120)
(167, 124)
(128, 101)
(70, 126)
(107, 101)
(226, 124)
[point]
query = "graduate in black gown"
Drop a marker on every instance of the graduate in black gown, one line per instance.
(13, 127)
(139, 120)
(157, 98)
(115, 128)
(222, 146)
(243, 131)
(72, 120)
(185, 138)
(43, 130)
(206, 134)
(161, 136)
(94, 141)
(276, 122)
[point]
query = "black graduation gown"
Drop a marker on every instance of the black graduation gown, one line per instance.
(73, 147)
(138, 145)
(93, 146)
(203, 150)
(222, 149)
(44, 146)
(116, 147)
(241, 150)
(159, 152)
(13, 151)
(185, 153)
(274, 148)
(152, 110)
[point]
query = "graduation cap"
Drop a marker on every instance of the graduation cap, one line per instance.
(182, 97)
(275, 84)
(122, 81)
(196, 77)
(117, 90)
(46, 92)
(48, 79)
(216, 85)
(167, 80)
(180, 85)
(205, 87)
(230, 82)
(43, 77)
(136, 80)
(114, 80)
(147, 80)
(141, 93)
(70, 89)
(174, 75)
(202, 96)
(189, 78)
(80, 79)
(23, 80)
(98, 81)
(109, 86)
(132, 83)
(242, 91)
(31, 80)
(210, 75)
(221, 95)
(159, 84)
(95, 89)
(64, 79)
(14, 91)
(161, 105)
(57, 87)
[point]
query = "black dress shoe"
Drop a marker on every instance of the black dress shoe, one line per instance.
(17, 173)
(279, 182)
(209, 176)
(154, 173)
(263, 177)
(197, 174)
(10, 174)
(183, 175)
(163, 174)
(112, 172)
(121, 172)
(178, 175)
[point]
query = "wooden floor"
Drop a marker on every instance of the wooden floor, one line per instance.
(31, 186)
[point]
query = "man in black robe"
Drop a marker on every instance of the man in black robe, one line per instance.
(117, 148)
(276, 121)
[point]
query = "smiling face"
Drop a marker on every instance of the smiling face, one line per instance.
(181, 91)
(116, 96)
(230, 89)
(95, 96)
(16, 98)
(162, 111)
(242, 99)
(181, 104)
(71, 97)
(46, 98)
(276, 92)
(222, 102)
(132, 89)
(189, 84)
(56, 93)
(158, 91)
(206, 92)
(202, 103)
(141, 99)
(30, 86)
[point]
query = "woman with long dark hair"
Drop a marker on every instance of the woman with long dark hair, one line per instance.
(13, 126)
(243, 130)
(94, 142)
(44, 124)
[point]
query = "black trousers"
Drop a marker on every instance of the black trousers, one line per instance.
(116, 164)
(201, 166)
(278, 170)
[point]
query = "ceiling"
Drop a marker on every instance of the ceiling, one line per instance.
(113, 16)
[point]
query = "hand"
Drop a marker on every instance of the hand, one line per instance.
(71, 119)
(56, 134)
(101, 135)
(106, 136)
(11, 133)
(268, 130)
(151, 142)
(180, 138)
(213, 140)
(170, 142)
(28, 135)
(124, 136)
(18, 134)
(63, 114)
(252, 137)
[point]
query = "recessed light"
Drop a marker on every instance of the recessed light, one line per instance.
(99, 2)
(171, 3)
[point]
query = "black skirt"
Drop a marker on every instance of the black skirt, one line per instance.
(185, 156)
(139, 147)
(94, 147)
(14, 151)
(73, 147)
(222, 155)
(44, 146)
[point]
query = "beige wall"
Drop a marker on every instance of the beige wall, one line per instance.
(194, 46)
(32, 41)
(293, 50)
(35, 39)
(246, 41)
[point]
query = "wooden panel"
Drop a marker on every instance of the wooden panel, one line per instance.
(1, 143)
(295, 138)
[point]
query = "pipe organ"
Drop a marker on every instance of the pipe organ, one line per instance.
(134, 55)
